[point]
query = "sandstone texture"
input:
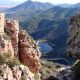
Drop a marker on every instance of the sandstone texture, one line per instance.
(29, 55)
(12, 29)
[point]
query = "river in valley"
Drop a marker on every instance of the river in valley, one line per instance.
(46, 48)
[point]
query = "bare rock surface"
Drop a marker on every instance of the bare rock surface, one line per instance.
(17, 44)
(74, 37)
(16, 73)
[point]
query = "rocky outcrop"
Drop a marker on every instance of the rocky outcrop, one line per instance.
(17, 44)
(12, 29)
(74, 37)
(15, 73)
(29, 54)
(2, 20)
(5, 45)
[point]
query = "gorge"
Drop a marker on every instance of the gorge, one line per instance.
(40, 41)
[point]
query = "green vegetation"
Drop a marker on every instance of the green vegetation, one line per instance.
(6, 58)
(13, 62)
(76, 71)
(23, 78)
(37, 76)
(1, 72)
(6, 37)
(48, 68)
(8, 55)
(2, 59)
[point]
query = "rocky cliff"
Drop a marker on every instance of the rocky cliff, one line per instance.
(74, 37)
(74, 45)
(12, 29)
(16, 73)
(5, 45)
(19, 54)
(30, 56)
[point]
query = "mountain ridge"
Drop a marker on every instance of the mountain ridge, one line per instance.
(35, 4)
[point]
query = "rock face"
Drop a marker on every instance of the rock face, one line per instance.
(29, 55)
(5, 45)
(2, 20)
(12, 29)
(74, 37)
(16, 73)
(17, 44)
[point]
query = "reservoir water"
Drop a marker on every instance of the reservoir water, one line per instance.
(45, 47)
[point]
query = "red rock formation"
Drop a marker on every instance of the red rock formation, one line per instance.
(12, 29)
(29, 54)
(28, 51)
(22, 47)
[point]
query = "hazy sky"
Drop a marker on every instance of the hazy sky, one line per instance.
(16, 2)
(54, 1)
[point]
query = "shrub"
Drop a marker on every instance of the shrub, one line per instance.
(7, 55)
(48, 68)
(13, 62)
(76, 71)
(37, 76)
(6, 37)
(23, 78)
(6, 58)
(2, 59)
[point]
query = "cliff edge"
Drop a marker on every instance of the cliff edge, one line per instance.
(19, 53)
(74, 37)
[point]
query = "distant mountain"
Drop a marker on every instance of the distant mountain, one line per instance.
(58, 12)
(30, 5)
(76, 5)
(65, 5)
(28, 8)
(31, 9)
